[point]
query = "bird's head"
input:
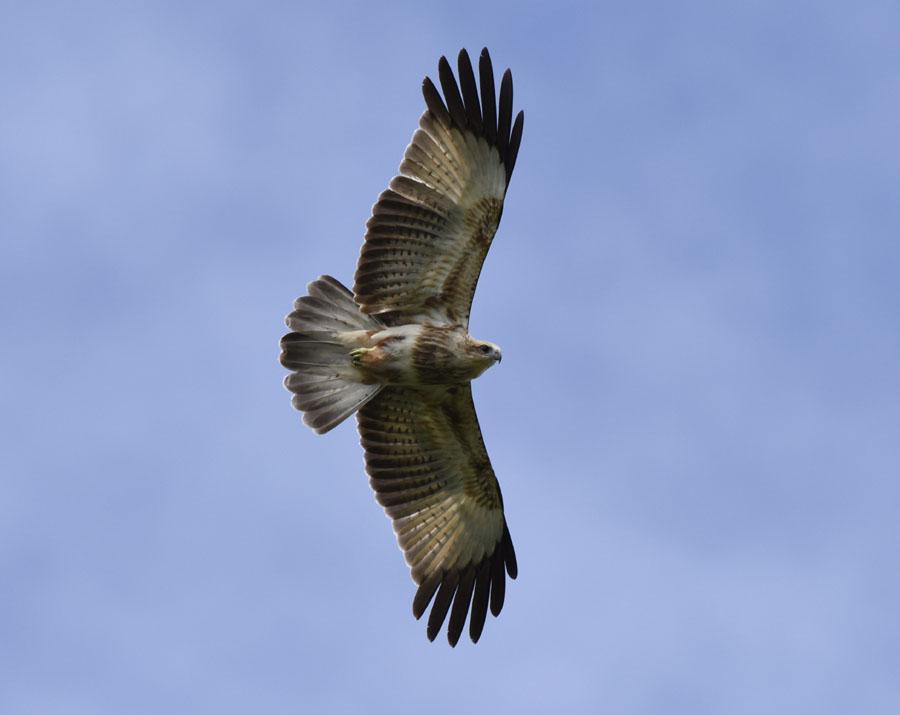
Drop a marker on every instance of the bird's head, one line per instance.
(483, 354)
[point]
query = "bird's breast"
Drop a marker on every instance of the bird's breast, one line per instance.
(439, 356)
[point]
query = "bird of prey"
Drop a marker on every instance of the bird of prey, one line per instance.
(397, 351)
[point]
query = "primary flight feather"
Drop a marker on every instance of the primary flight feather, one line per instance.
(397, 350)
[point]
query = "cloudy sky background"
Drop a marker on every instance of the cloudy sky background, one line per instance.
(696, 424)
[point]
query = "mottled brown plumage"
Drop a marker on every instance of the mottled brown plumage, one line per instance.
(398, 353)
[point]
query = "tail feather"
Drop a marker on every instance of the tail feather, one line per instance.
(313, 313)
(326, 325)
(326, 412)
(329, 307)
(301, 349)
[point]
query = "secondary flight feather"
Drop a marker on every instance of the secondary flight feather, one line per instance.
(396, 351)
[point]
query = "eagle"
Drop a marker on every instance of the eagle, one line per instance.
(397, 352)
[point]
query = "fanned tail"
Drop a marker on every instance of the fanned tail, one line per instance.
(327, 324)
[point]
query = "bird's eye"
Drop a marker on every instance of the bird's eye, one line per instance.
(485, 349)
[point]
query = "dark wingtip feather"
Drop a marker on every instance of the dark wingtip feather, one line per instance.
(461, 602)
(441, 605)
(514, 141)
(469, 91)
(424, 595)
(488, 96)
(480, 601)
(509, 554)
(434, 102)
(504, 115)
(451, 93)
(498, 584)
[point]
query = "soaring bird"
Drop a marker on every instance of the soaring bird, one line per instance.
(397, 350)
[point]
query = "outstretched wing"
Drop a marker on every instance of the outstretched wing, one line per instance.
(430, 471)
(430, 231)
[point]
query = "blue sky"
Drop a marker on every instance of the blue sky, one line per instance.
(695, 426)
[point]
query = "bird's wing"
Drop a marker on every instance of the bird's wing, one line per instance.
(430, 471)
(430, 231)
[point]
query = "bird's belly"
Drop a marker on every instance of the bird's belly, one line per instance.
(415, 355)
